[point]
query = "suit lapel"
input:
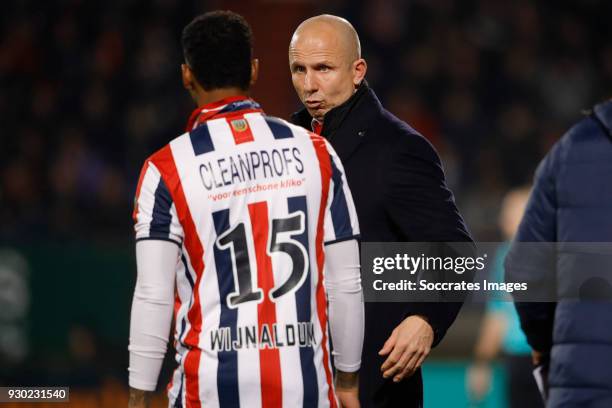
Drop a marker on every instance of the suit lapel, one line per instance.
(348, 125)
(348, 140)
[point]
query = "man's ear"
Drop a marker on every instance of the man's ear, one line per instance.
(359, 71)
(188, 80)
(254, 71)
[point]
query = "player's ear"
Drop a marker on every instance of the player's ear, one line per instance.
(187, 76)
(359, 71)
(189, 81)
(254, 71)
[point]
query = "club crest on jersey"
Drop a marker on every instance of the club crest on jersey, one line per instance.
(239, 125)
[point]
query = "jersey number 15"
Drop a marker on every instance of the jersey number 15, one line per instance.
(235, 239)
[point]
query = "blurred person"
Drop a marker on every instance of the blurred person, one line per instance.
(568, 213)
(244, 218)
(400, 195)
(500, 330)
(463, 128)
(83, 371)
(519, 142)
(566, 86)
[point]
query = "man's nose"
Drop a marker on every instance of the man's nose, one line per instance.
(310, 82)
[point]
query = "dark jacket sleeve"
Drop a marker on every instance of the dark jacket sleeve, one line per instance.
(531, 258)
(422, 207)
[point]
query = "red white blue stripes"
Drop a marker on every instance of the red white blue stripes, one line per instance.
(259, 350)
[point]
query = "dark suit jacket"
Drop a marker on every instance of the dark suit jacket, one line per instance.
(400, 194)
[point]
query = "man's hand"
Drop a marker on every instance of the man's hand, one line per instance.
(408, 345)
(347, 389)
(138, 398)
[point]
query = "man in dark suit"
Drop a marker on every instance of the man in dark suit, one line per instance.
(399, 191)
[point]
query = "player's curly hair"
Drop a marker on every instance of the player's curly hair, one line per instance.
(217, 46)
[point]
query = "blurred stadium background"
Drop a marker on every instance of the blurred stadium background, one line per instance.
(90, 89)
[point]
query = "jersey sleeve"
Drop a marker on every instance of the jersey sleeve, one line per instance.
(340, 216)
(155, 215)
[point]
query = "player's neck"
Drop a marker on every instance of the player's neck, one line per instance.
(205, 97)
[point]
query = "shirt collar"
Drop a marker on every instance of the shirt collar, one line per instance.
(316, 126)
(220, 108)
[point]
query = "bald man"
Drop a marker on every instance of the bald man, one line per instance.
(399, 190)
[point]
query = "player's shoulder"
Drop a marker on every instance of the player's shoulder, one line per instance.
(163, 158)
(277, 125)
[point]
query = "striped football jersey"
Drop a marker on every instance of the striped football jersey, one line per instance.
(251, 200)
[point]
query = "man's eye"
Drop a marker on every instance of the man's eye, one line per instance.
(323, 68)
(298, 69)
